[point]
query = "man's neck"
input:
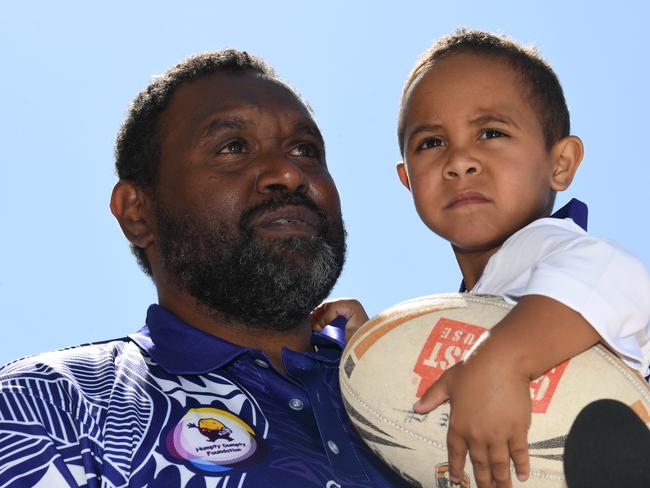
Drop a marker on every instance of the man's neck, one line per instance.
(213, 322)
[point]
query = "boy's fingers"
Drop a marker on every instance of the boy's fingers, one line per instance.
(500, 465)
(456, 455)
(519, 454)
(328, 311)
(435, 396)
(481, 465)
(322, 316)
(315, 317)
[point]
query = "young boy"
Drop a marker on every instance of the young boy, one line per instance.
(484, 134)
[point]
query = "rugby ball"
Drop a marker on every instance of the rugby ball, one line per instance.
(392, 359)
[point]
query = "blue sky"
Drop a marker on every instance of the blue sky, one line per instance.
(70, 70)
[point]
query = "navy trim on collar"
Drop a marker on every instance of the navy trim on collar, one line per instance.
(180, 348)
(574, 210)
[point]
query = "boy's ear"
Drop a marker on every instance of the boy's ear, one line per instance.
(129, 204)
(403, 175)
(567, 155)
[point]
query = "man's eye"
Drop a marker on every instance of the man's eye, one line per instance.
(234, 147)
(305, 150)
(430, 143)
(491, 134)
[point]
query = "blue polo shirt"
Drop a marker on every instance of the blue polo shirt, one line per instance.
(172, 406)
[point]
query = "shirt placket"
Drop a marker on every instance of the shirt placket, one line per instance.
(334, 438)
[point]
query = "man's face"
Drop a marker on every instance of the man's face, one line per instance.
(475, 153)
(248, 217)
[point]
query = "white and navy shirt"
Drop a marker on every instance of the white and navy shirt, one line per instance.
(172, 406)
(555, 257)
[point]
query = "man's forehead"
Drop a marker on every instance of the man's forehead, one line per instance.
(227, 90)
(235, 98)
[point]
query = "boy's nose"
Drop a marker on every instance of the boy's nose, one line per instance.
(461, 164)
(281, 174)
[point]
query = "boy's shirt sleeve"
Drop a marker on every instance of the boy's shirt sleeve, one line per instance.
(596, 277)
(41, 444)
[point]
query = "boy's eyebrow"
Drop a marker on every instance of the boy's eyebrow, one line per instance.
(493, 117)
(422, 128)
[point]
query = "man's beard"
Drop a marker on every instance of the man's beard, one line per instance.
(268, 283)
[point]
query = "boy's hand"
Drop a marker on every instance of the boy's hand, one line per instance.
(490, 417)
(349, 308)
(489, 391)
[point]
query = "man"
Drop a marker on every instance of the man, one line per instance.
(225, 196)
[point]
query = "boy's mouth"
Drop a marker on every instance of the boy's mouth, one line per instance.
(467, 198)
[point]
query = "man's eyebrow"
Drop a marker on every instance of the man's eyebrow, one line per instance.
(486, 118)
(216, 125)
(306, 128)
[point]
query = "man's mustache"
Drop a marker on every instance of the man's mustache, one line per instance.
(282, 200)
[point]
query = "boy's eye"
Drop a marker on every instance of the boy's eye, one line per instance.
(491, 134)
(233, 147)
(430, 143)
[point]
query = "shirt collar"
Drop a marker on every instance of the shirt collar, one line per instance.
(574, 210)
(180, 348)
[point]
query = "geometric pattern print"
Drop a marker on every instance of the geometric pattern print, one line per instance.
(73, 417)
(92, 415)
(208, 389)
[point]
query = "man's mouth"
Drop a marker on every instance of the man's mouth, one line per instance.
(287, 220)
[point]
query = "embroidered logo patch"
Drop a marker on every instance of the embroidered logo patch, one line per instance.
(211, 439)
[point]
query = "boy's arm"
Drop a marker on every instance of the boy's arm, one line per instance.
(489, 391)
(609, 287)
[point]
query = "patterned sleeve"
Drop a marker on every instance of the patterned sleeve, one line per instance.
(42, 444)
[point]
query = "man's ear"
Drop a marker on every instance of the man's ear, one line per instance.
(129, 205)
(403, 175)
(567, 155)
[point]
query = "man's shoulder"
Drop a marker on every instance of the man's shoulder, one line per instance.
(93, 355)
(77, 370)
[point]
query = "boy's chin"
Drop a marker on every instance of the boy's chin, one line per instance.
(477, 244)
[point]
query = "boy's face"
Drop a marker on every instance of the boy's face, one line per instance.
(474, 153)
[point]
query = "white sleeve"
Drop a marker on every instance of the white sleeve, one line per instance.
(597, 278)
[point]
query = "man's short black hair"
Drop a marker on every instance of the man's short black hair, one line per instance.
(536, 74)
(137, 150)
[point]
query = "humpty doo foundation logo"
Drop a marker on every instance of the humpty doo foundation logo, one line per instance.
(211, 439)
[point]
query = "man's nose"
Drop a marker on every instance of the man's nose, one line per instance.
(461, 163)
(279, 173)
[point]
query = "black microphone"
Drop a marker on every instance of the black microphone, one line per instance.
(608, 446)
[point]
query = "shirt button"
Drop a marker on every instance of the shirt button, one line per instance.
(261, 363)
(333, 447)
(296, 404)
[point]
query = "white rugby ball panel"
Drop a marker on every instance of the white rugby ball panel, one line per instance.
(394, 357)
